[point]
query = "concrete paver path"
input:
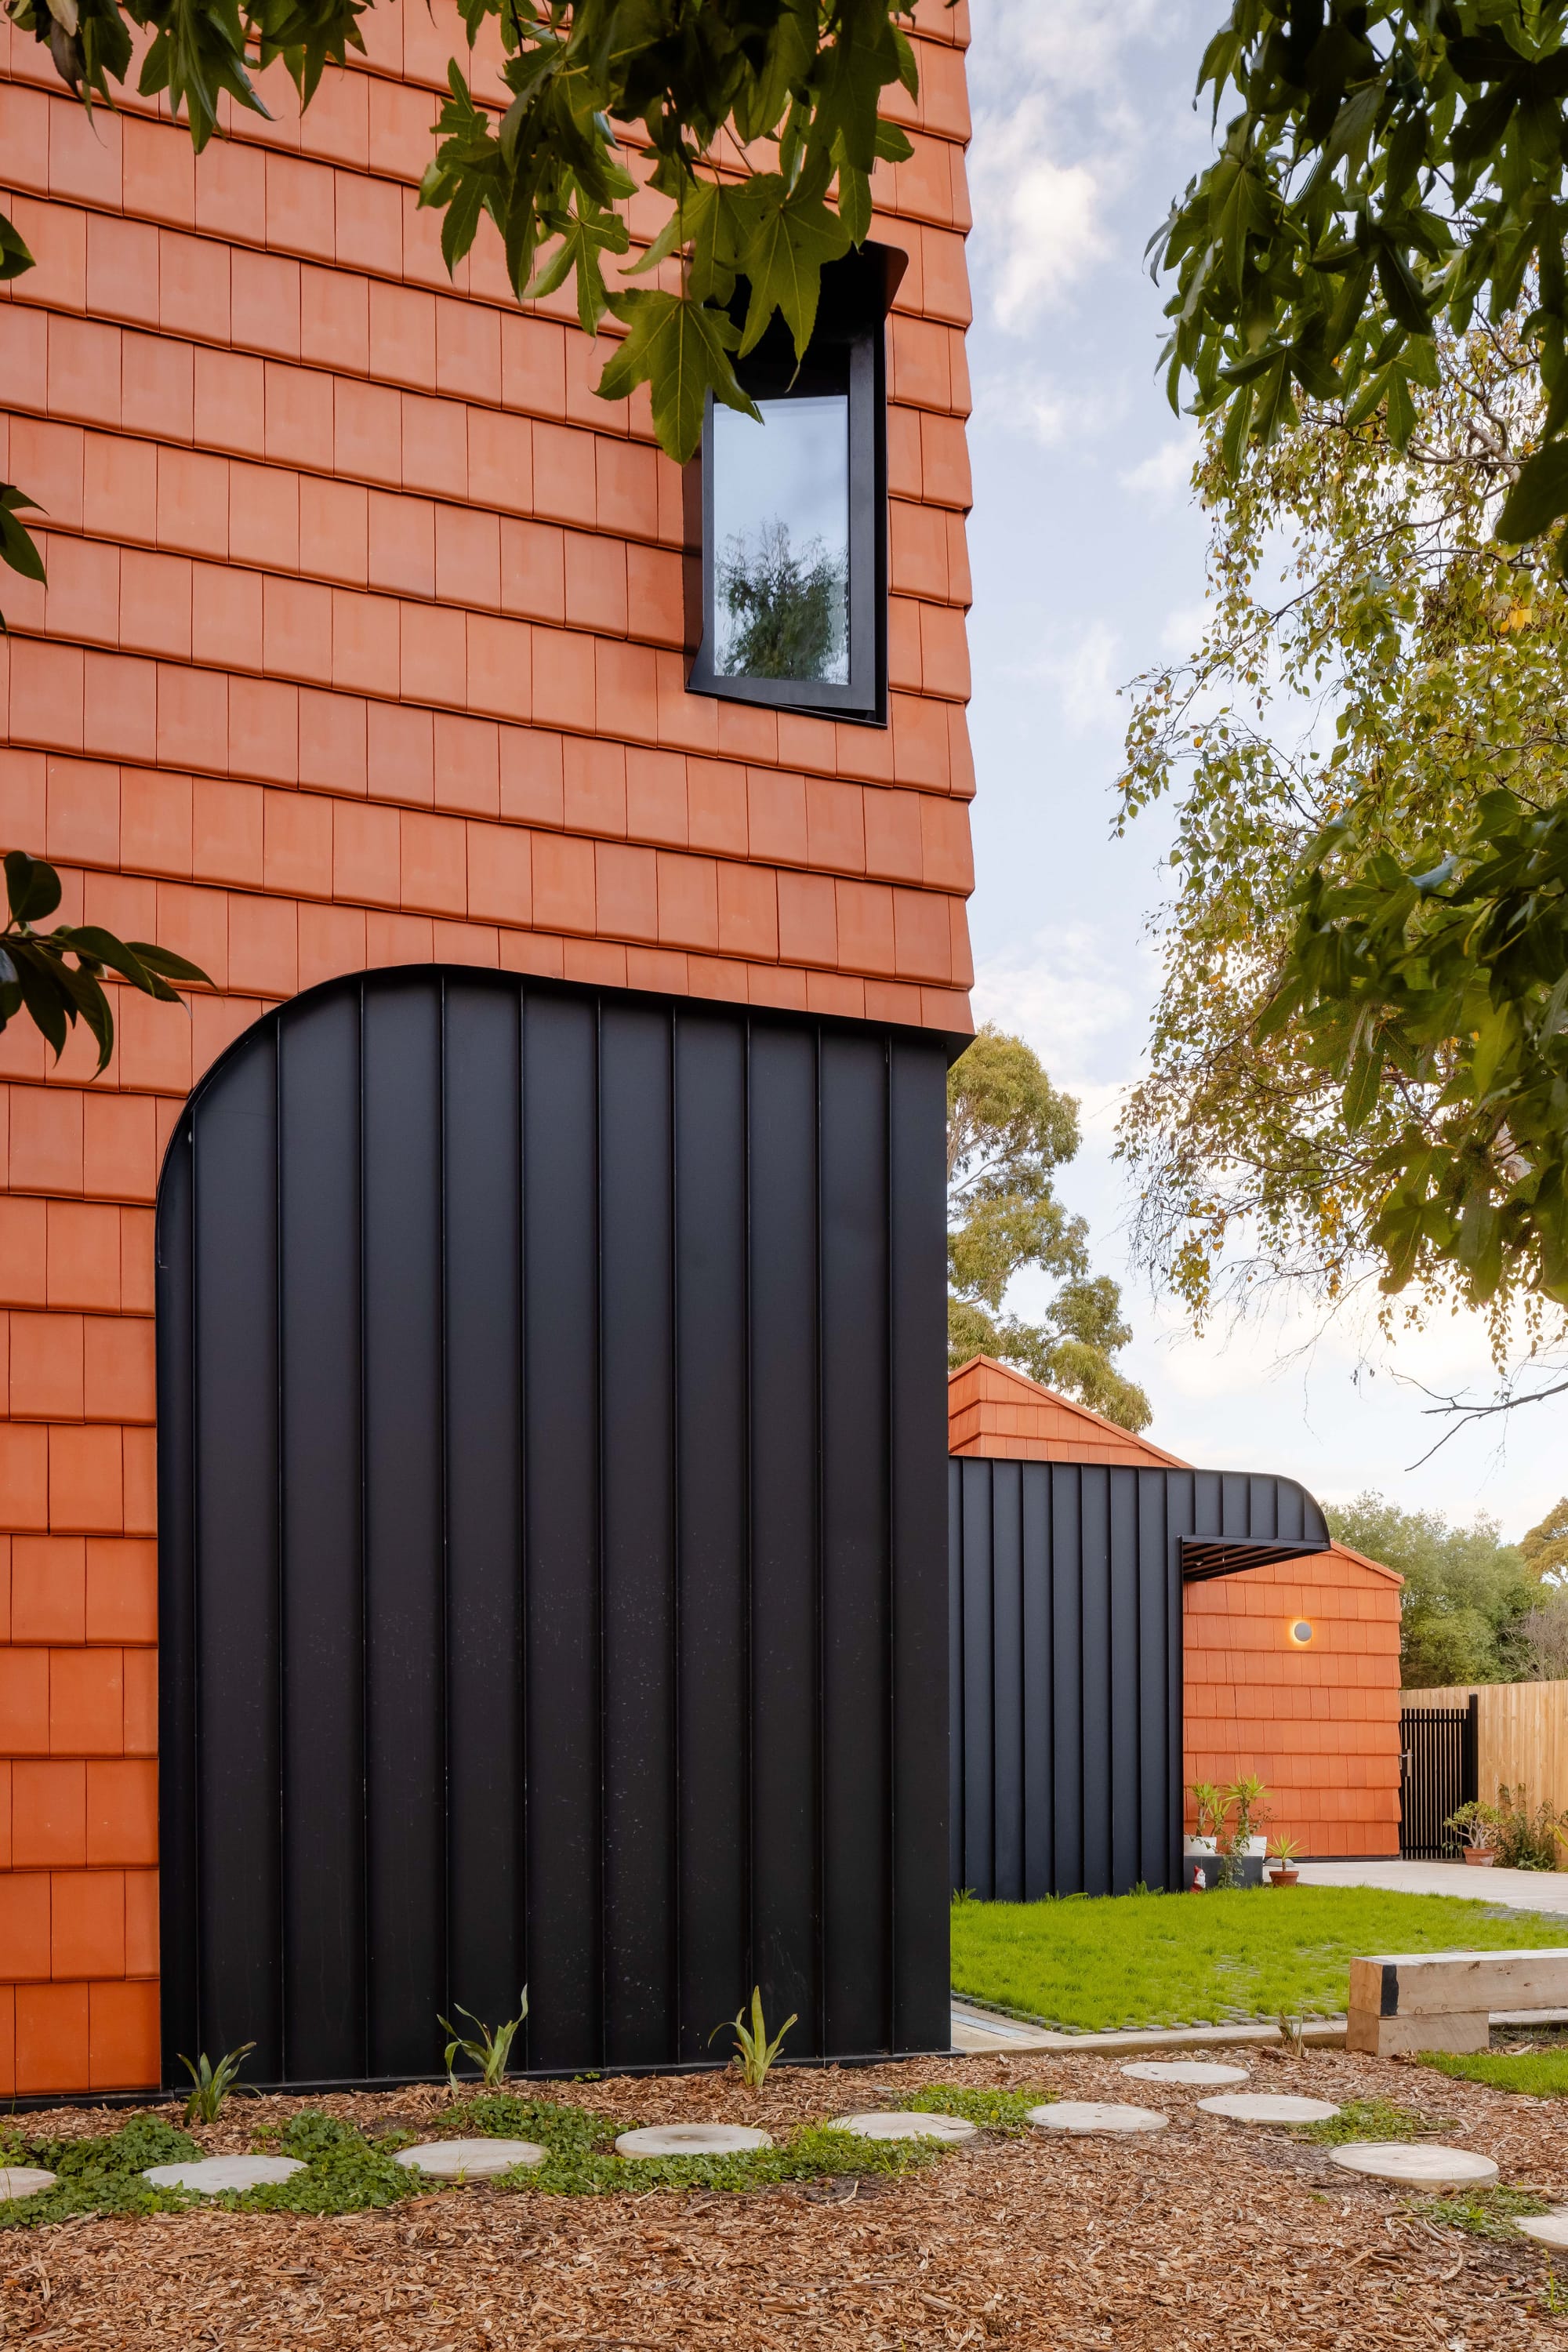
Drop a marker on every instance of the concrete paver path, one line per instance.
(1516, 1890)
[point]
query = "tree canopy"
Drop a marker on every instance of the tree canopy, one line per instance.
(1395, 168)
(1360, 1060)
(1468, 1596)
(1008, 1129)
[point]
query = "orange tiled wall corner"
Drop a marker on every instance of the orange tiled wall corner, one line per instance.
(1320, 1724)
(362, 645)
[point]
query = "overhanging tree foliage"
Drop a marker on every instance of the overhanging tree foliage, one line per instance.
(1008, 1129)
(1396, 167)
(1360, 1059)
(36, 979)
(757, 122)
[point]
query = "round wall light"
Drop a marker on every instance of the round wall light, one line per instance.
(1301, 1632)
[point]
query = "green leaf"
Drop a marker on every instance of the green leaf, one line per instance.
(32, 888)
(1538, 498)
(680, 349)
(15, 256)
(783, 258)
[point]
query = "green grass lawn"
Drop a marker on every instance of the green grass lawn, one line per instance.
(1541, 2073)
(1190, 1959)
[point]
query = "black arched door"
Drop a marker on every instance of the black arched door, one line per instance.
(552, 1432)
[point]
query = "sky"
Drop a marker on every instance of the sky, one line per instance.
(1088, 557)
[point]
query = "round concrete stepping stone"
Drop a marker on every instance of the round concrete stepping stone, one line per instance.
(1416, 2167)
(1552, 2229)
(468, 2159)
(1269, 2107)
(211, 2175)
(1196, 2071)
(903, 2125)
(1083, 2116)
(692, 2139)
(24, 2180)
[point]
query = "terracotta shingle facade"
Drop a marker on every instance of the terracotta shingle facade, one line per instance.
(364, 644)
(1321, 1721)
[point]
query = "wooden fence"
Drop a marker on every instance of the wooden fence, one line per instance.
(1521, 1736)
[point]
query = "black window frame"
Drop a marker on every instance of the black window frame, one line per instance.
(850, 343)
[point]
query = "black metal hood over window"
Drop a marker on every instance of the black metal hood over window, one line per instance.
(552, 1422)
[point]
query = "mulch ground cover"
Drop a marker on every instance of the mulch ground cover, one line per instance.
(1210, 2233)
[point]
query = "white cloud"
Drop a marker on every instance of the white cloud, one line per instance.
(1017, 400)
(1075, 1003)
(1057, 137)
(1087, 674)
(1165, 477)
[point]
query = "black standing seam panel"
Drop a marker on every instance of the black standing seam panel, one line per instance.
(856, 1377)
(917, 1452)
(1092, 1652)
(564, 1701)
(712, 1469)
(637, 1312)
(486, 1961)
(551, 1422)
(782, 1439)
(1007, 1693)
(405, 1561)
(957, 1586)
(236, 1581)
(1036, 1692)
(322, 1725)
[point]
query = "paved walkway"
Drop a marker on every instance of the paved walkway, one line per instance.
(1516, 1890)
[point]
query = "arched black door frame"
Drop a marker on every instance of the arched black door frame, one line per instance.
(551, 1423)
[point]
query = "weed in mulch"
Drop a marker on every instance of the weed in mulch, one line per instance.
(1376, 2119)
(818, 2153)
(98, 2175)
(1002, 2111)
(1482, 2212)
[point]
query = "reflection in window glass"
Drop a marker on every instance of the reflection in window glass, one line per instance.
(781, 540)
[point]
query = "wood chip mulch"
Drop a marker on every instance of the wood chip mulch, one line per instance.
(1208, 2234)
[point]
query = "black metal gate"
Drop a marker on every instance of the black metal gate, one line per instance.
(551, 1421)
(1437, 1774)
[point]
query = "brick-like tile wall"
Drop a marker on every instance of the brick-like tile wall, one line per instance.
(1321, 1724)
(362, 645)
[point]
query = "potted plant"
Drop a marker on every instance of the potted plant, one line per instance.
(1243, 1842)
(1477, 1826)
(1200, 1846)
(1286, 1849)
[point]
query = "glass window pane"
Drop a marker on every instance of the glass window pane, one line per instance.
(781, 540)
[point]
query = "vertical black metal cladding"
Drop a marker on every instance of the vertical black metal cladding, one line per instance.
(1065, 1603)
(550, 1431)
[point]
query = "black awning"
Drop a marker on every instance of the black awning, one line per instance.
(1206, 1556)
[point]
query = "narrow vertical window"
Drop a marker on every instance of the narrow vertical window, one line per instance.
(794, 513)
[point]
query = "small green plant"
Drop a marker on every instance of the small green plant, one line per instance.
(1552, 2298)
(492, 2049)
(963, 1894)
(1482, 2212)
(1001, 2111)
(754, 2053)
(212, 2083)
(1245, 1798)
(1526, 1839)
(98, 2175)
(1210, 1806)
(1292, 2037)
(1284, 1849)
(1475, 1825)
(1367, 2119)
